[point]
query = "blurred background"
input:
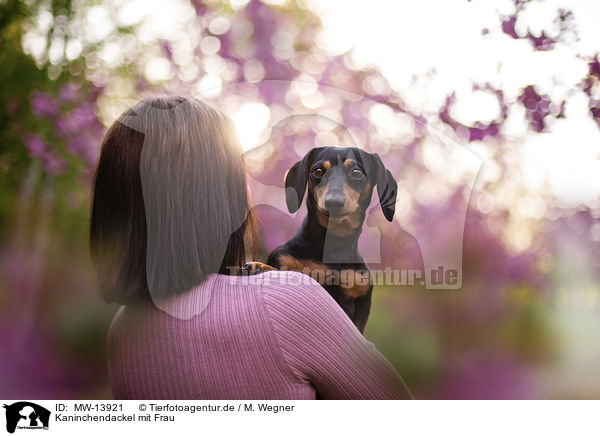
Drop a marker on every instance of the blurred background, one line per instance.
(514, 84)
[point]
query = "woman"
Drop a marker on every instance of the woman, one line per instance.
(169, 216)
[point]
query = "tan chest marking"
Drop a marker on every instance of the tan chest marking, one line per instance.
(355, 283)
(313, 269)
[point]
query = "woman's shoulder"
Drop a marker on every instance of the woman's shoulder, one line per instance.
(296, 295)
(291, 278)
(291, 288)
(278, 280)
(288, 282)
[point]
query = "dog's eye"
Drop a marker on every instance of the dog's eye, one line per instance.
(318, 172)
(356, 173)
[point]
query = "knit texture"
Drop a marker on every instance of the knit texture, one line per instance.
(279, 337)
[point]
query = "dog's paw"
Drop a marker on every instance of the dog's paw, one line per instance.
(252, 268)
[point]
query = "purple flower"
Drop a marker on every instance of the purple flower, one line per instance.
(479, 130)
(84, 114)
(508, 27)
(35, 145)
(537, 107)
(595, 68)
(54, 165)
(42, 105)
(76, 145)
(595, 111)
(200, 7)
(68, 92)
(167, 49)
(542, 42)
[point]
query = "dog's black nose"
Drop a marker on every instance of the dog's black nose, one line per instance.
(334, 203)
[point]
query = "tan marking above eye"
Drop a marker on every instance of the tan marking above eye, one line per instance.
(327, 165)
(348, 163)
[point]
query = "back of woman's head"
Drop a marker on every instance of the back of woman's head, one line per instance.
(169, 200)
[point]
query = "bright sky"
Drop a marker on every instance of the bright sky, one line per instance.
(407, 39)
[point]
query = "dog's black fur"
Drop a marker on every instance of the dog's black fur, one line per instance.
(340, 184)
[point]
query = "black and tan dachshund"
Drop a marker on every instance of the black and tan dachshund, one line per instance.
(340, 184)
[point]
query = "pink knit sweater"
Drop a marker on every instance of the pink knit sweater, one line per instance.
(231, 338)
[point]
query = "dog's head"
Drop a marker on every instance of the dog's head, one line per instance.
(340, 184)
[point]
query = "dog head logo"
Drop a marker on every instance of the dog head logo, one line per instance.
(26, 415)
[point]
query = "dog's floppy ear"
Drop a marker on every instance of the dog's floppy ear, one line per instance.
(295, 182)
(387, 188)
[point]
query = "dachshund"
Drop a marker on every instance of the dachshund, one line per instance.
(340, 185)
